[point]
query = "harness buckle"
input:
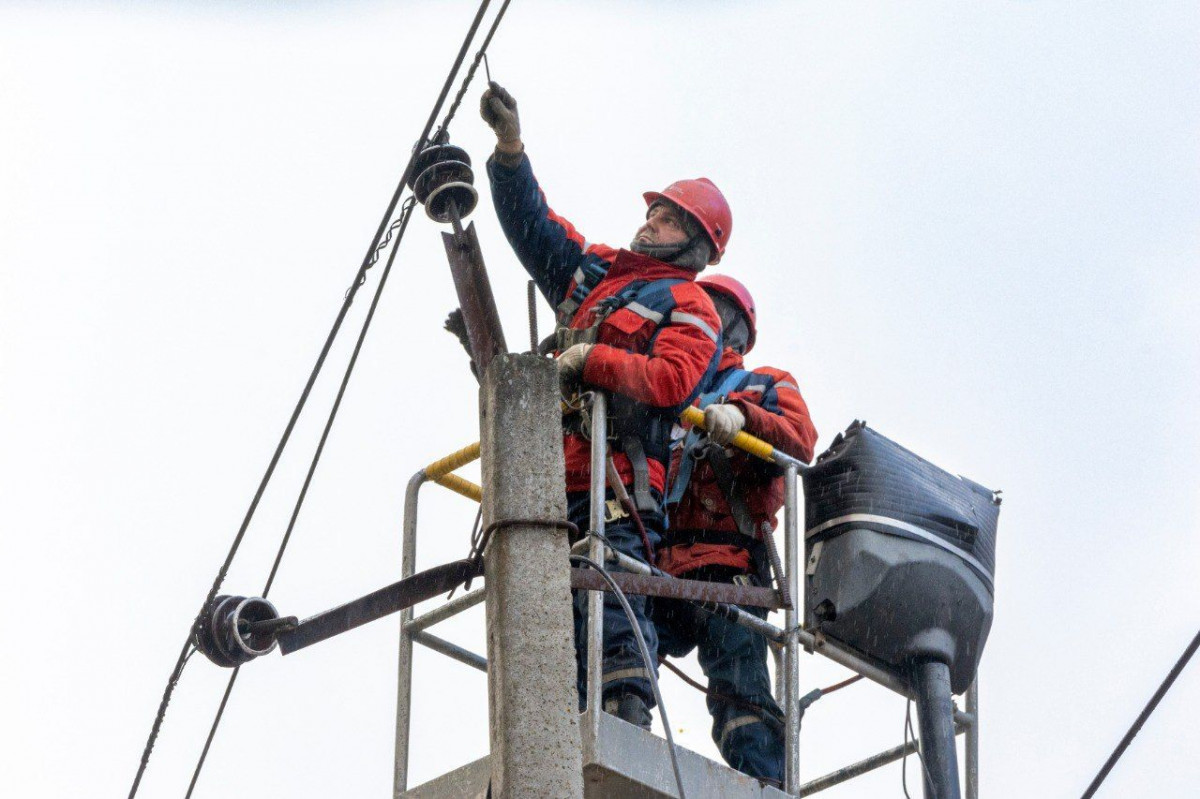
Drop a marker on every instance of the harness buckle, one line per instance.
(614, 511)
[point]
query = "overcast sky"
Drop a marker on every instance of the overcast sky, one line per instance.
(975, 226)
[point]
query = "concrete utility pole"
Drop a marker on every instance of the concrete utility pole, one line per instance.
(535, 737)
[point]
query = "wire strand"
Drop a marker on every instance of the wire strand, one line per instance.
(212, 732)
(479, 56)
(735, 701)
(405, 215)
(1142, 717)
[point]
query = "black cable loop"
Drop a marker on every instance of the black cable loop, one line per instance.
(367, 261)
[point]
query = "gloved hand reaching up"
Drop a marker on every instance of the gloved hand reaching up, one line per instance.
(499, 109)
(723, 422)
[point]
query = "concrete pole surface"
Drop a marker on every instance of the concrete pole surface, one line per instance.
(535, 739)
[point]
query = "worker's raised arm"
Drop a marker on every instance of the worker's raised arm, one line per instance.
(682, 357)
(778, 414)
(553, 252)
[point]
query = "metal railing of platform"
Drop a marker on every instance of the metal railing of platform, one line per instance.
(788, 642)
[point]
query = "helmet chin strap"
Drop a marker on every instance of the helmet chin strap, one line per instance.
(692, 254)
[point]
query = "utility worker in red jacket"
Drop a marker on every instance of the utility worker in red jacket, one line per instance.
(721, 501)
(632, 323)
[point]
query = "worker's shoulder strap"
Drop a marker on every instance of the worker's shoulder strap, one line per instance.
(727, 385)
(586, 277)
(731, 382)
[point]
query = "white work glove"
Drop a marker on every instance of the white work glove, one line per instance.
(723, 422)
(570, 365)
(499, 110)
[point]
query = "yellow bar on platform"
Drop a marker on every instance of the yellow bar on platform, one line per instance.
(440, 468)
(743, 441)
(460, 485)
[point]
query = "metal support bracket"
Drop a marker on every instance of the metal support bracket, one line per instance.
(474, 290)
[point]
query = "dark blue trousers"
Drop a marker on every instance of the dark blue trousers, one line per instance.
(624, 670)
(735, 661)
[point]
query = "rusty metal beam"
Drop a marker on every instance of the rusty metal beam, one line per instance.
(474, 290)
(695, 590)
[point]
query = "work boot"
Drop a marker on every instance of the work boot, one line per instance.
(629, 707)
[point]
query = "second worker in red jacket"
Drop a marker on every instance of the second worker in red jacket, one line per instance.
(720, 502)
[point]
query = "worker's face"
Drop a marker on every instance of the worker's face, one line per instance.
(735, 328)
(664, 226)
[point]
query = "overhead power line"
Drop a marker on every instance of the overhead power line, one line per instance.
(1141, 719)
(372, 255)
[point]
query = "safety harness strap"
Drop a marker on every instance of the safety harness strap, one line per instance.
(565, 336)
(725, 481)
(587, 277)
(716, 537)
(643, 500)
(737, 508)
(692, 441)
(649, 299)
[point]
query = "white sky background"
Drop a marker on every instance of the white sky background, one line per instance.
(973, 225)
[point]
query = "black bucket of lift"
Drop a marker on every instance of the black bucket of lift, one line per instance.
(900, 555)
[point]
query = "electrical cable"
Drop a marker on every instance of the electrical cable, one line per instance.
(1142, 717)
(212, 732)
(479, 56)
(645, 651)
(904, 759)
(743, 703)
(405, 214)
(839, 686)
(359, 279)
(909, 731)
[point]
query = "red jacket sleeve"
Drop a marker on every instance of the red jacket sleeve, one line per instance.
(680, 355)
(779, 415)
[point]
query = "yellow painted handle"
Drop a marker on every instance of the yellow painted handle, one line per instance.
(743, 441)
(440, 468)
(461, 485)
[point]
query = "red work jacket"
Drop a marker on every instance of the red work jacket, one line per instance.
(775, 412)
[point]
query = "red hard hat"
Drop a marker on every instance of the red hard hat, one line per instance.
(739, 295)
(704, 201)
